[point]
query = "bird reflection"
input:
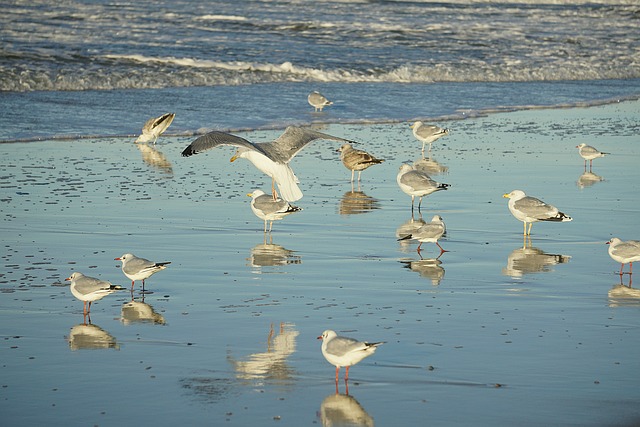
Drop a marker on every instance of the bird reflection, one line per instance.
(86, 336)
(430, 166)
(154, 158)
(408, 227)
(357, 202)
(528, 259)
(270, 365)
(268, 254)
(588, 179)
(140, 312)
(430, 268)
(341, 410)
(624, 294)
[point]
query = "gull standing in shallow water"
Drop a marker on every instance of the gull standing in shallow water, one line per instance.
(272, 158)
(427, 133)
(356, 160)
(139, 268)
(267, 209)
(89, 289)
(343, 351)
(529, 210)
(588, 152)
(417, 183)
(429, 233)
(155, 127)
(624, 252)
(318, 101)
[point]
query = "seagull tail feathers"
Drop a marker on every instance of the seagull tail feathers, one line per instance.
(560, 217)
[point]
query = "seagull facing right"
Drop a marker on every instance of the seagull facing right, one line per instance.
(343, 351)
(429, 233)
(139, 268)
(416, 183)
(318, 101)
(427, 133)
(529, 210)
(588, 152)
(356, 160)
(624, 252)
(155, 127)
(267, 209)
(89, 289)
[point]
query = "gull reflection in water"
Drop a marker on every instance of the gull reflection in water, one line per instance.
(270, 365)
(268, 254)
(140, 312)
(87, 336)
(357, 202)
(624, 294)
(406, 228)
(343, 410)
(430, 166)
(587, 179)
(155, 158)
(528, 259)
(430, 268)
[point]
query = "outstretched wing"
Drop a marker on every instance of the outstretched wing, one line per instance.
(216, 138)
(294, 139)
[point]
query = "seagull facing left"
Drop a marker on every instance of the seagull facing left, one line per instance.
(155, 127)
(136, 268)
(529, 210)
(89, 289)
(344, 351)
(272, 158)
(267, 209)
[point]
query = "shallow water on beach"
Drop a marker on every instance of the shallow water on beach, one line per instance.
(490, 332)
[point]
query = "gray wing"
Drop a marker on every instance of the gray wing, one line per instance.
(425, 131)
(87, 285)
(137, 264)
(267, 205)
(294, 139)
(216, 138)
(589, 150)
(429, 230)
(418, 180)
(627, 249)
(339, 346)
(535, 208)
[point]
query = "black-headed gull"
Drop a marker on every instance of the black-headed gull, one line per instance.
(429, 233)
(136, 268)
(344, 351)
(624, 252)
(588, 152)
(89, 289)
(529, 210)
(416, 183)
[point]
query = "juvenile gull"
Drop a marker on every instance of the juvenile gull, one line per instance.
(356, 160)
(427, 133)
(155, 127)
(417, 183)
(429, 233)
(588, 152)
(529, 210)
(139, 268)
(272, 158)
(267, 209)
(343, 351)
(89, 289)
(318, 101)
(624, 252)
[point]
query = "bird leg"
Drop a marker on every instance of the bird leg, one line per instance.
(346, 374)
(132, 284)
(419, 204)
(84, 306)
(419, 245)
(412, 198)
(359, 176)
(89, 309)
(265, 226)
(273, 189)
(337, 373)
(529, 232)
(441, 249)
(270, 226)
(352, 172)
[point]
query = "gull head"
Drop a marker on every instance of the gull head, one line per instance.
(515, 193)
(416, 124)
(256, 193)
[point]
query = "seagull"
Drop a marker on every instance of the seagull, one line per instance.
(417, 183)
(356, 160)
(139, 268)
(429, 233)
(264, 207)
(624, 252)
(318, 101)
(529, 210)
(89, 289)
(155, 127)
(427, 133)
(588, 152)
(272, 158)
(343, 351)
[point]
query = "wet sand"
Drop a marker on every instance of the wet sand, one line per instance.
(489, 333)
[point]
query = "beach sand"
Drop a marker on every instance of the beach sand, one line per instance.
(489, 333)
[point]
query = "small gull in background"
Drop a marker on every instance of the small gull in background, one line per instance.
(529, 210)
(588, 152)
(318, 100)
(624, 252)
(272, 158)
(356, 160)
(89, 289)
(139, 268)
(267, 209)
(155, 127)
(417, 183)
(343, 351)
(429, 233)
(427, 133)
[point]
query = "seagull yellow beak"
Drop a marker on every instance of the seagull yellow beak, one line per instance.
(234, 158)
(249, 194)
(506, 195)
(412, 125)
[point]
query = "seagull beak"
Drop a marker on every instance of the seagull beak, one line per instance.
(249, 194)
(320, 337)
(68, 279)
(412, 125)
(606, 243)
(234, 158)
(506, 195)
(117, 259)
